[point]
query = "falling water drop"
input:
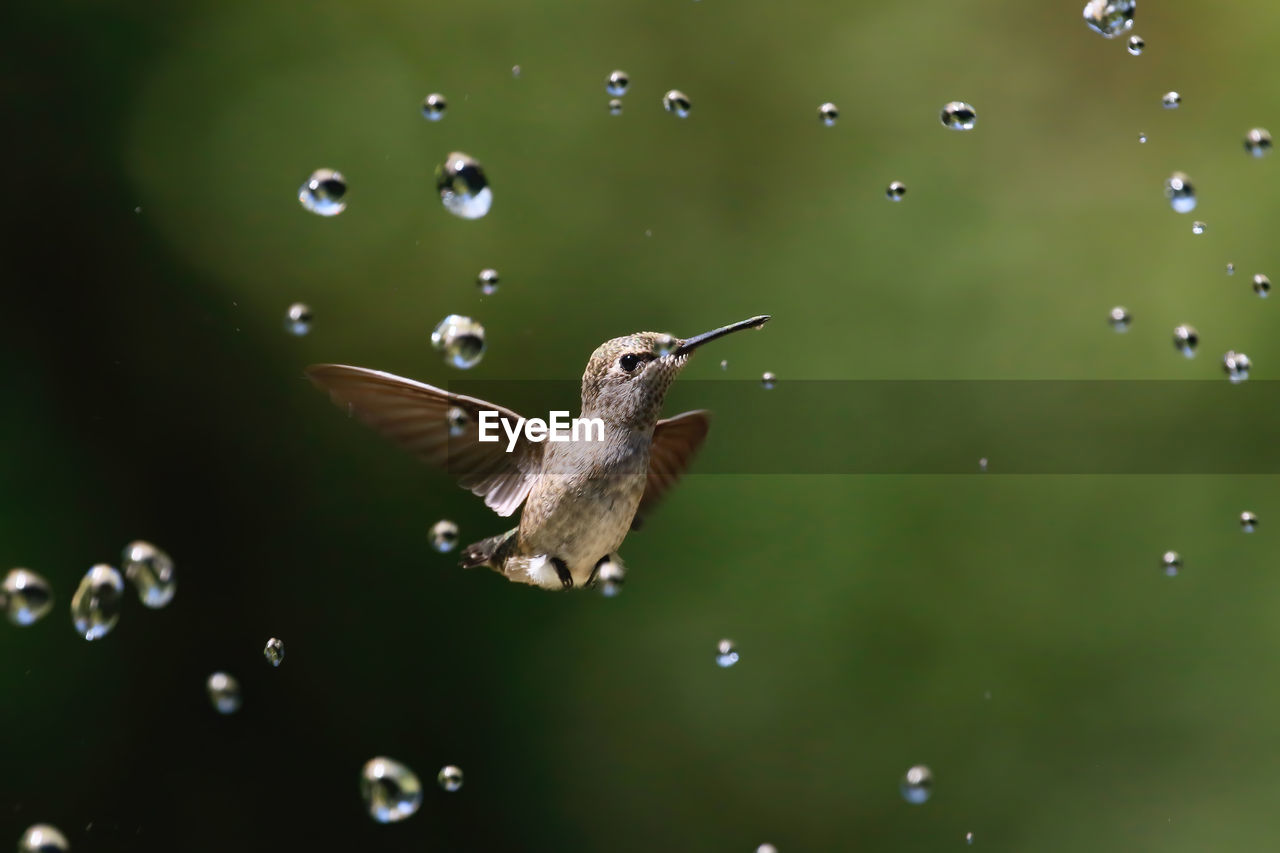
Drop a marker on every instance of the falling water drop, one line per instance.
(677, 103)
(1236, 365)
(828, 114)
(150, 570)
(1257, 142)
(1171, 100)
(615, 107)
(26, 596)
(487, 281)
(1142, 139)
(1120, 318)
(1180, 192)
(43, 838)
(1261, 285)
(434, 107)
(917, 784)
(444, 535)
(463, 187)
(957, 115)
(1198, 227)
(458, 420)
(1171, 563)
(768, 380)
(391, 790)
(224, 693)
(461, 339)
(297, 320)
(95, 607)
(1136, 45)
(1185, 339)
(324, 193)
(726, 654)
(1248, 522)
(896, 191)
(450, 777)
(617, 84)
(1109, 18)
(273, 651)
(611, 577)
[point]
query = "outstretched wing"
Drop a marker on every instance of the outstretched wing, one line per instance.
(416, 416)
(675, 441)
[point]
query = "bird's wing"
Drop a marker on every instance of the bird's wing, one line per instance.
(416, 416)
(675, 441)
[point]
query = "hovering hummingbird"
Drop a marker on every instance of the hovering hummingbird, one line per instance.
(580, 497)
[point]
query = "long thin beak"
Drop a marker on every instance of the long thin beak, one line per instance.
(698, 340)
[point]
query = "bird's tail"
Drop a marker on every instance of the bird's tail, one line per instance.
(489, 552)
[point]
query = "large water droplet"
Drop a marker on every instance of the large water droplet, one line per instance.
(1136, 45)
(1261, 285)
(444, 535)
(27, 597)
(450, 777)
(1185, 339)
(95, 608)
(224, 693)
(297, 320)
(463, 187)
(828, 114)
(611, 577)
(1120, 318)
(1109, 18)
(43, 838)
(487, 281)
(391, 791)
(677, 102)
(1171, 563)
(917, 784)
(1248, 522)
(461, 339)
(1180, 192)
(1257, 142)
(896, 191)
(958, 115)
(273, 651)
(617, 84)
(726, 654)
(434, 107)
(150, 570)
(766, 848)
(1236, 365)
(1171, 100)
(324, 193)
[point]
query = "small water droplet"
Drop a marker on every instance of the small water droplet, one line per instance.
(224, 693)
(1142, 139)
(1109, 18)
(95, 607)
(664, 345)
(1248, 522)
(434, 107)
(828, 114)
(461, 339)
(487, 281)
(1231, 268)
(1185, 339)
(917, 784)
(391, 791)
(1261, 285)
(1180, 192)
(766, 848)
(1257, 142)
(896, 191)
(444, 535)
(724, 364)
(1236, 365)
(611, 577)
(617, 84)
(982, 464)
(1136, 45)
(463, 187)
(958, 115)
(677, 102)
(968, 838)
(150, 570)
(1171, 100)
(273, 651)
(615, 107)
(1198, 227)
(450, 777)
(768, 380)
(726, 654)
(297, 320)
(43, 838)
(1120, 318)
(27, 596)
(459, 420)
(515, 71)
(324, 193)
(1171, 562)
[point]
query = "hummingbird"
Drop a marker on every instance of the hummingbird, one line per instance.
(580, 498)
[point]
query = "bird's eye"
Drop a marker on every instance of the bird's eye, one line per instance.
(628, 362)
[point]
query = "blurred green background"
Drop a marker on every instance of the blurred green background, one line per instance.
(1013, 633)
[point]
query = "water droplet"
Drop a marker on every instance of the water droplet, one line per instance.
(324, 193)
(982, 464)
(1257, 142)
(95, 608)
(450, 777)
(677, 102)
(766, 848)
(615, 107)
(1248, 522)
(487, 281)
(459, 420)
(515, 71)
(1120, 318)
(391, 791)
(917, 784)
(1231, 268)
(1142, 139)
(1109, 18)
(273, 651)
(768, 380)
(444, 535)
(611, 577)
(896, 191)
(617, 84)
(224, 693)
(27, 597)
(829, 114)
(463, 187)
(1198, 227)
(724, 364)
(1171, 562)
(1236, 365)
(664, 345)
(43, 838)
(461, 339)
(1181, 195)
(150, 570)
(1261, 285)
(1185, 340)
(726, 654)
(1171, 100)
(1136, 45)
(968, 838)
(958, 115)
(297, 320)
(434, 107)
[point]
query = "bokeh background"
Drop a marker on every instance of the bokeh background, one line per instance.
(1012, 632)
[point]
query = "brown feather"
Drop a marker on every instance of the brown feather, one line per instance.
(675, 442)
